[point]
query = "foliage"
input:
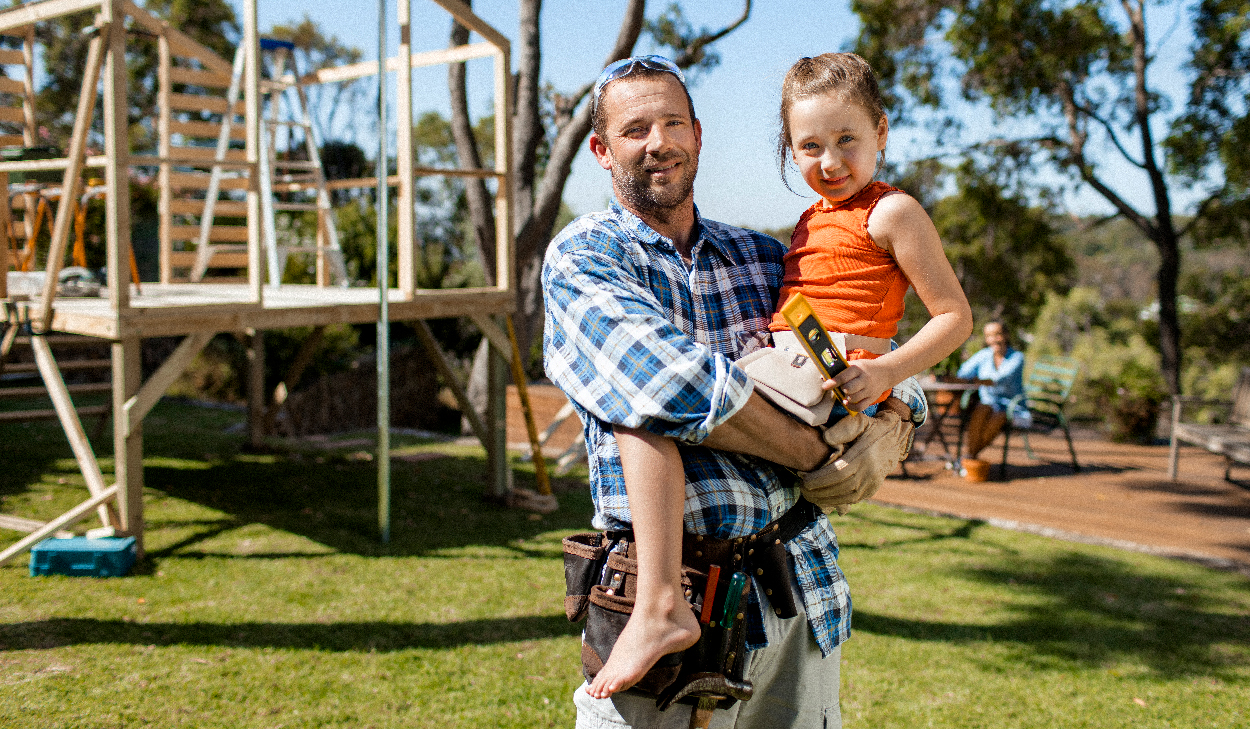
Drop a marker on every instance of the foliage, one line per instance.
(266, 598)
(1218, 320)
(1112, 349)
(1132, 400)
(210, 22)
(335, 108)
(1007, 254)
(1210, 143)
(1075, 106)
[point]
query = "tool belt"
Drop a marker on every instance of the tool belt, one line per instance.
(601, 571)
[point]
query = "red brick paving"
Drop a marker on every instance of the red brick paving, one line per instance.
(1121, 497)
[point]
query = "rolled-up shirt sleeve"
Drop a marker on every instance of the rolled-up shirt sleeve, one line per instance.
(612, 350)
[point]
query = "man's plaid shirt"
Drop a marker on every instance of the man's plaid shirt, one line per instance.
(634, 338)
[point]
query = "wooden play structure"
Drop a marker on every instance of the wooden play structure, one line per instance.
(219, 266)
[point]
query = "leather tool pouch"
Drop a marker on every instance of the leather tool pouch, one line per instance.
(600, 583)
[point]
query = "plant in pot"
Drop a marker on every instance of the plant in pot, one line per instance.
(1132, 401)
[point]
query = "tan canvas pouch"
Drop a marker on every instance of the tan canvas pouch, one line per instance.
(790, 381)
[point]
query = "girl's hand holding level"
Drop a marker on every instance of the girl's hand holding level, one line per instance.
(862, 383)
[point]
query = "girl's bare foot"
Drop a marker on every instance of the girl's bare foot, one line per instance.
(653, 631)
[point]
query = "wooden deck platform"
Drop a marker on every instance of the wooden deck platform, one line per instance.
(179, 309)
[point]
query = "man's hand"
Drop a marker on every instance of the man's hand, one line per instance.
(759, 429)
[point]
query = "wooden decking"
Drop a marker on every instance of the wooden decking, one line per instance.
(179, 309)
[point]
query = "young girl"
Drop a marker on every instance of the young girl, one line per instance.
(853, 255)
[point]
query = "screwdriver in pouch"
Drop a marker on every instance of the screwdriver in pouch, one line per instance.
(730, 616)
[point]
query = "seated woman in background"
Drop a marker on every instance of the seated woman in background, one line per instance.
(1005, 367)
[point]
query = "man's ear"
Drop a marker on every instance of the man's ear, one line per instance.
(698, 136)
(599, 148)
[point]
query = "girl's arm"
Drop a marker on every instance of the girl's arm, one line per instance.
(899, 225)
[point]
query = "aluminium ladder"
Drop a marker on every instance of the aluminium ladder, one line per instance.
(290, 176)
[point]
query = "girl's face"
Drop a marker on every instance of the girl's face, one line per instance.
(835, 142)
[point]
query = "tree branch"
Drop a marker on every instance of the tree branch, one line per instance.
(1115, 139)
(1203, 207)
(693, 52)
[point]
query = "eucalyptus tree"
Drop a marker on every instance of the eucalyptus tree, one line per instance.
(1070, 86)
(549, 128)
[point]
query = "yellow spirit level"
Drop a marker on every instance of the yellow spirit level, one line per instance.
(815, 338)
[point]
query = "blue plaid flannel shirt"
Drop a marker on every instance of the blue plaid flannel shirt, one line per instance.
(634, 338)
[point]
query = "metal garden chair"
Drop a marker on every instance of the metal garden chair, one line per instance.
(1046, 391)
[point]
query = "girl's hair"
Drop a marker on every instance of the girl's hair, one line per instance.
(829, 73)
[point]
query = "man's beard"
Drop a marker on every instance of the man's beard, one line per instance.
(633, 182)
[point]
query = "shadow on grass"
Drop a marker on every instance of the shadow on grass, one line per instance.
(1076, 608)
(330, 497)
(365, 637)
(436, 504)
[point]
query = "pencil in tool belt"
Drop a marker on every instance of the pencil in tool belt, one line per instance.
(709, 594)
(799, 314)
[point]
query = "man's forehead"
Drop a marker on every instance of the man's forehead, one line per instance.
(658, 94)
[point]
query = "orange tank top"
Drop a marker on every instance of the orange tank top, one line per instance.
(854, 286)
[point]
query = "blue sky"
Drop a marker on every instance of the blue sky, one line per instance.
(737, 101)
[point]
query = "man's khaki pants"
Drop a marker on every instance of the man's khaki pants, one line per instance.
(794, 687)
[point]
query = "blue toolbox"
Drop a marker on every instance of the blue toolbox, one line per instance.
(80, 556)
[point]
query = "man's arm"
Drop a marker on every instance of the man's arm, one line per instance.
(759, 429)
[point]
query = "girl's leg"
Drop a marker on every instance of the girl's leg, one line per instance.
(662, 621)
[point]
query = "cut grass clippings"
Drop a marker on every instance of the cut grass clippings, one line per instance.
(267, 600)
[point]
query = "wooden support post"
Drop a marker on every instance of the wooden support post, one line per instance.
(72, 181)
(65, 412)
(405, 246)
(1174, 446)
(146, 397)
(256, 388)
(252, 118)
(128, 438)
(116, 108)
(165, 116)
(6, 230)
(497, 422)
(504, 265)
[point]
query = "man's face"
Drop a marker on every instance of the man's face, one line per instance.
(995, 339)
(651, 144)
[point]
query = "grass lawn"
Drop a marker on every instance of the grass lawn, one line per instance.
(267, 600)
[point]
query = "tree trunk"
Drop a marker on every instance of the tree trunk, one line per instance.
(481, 205)
(536, 201)
(1169, 321)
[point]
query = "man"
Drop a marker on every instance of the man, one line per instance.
(648, 305)
(1003, 365)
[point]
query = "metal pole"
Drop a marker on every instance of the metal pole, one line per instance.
(384, 343)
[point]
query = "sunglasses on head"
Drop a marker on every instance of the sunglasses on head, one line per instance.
(626, 66)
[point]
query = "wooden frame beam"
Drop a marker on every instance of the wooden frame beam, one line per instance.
(71, 185)
(141, 403)
(465, 15)
(70, 517)
(421, 59)
(449, 375)
(36, 12)
(70, 423)
(180, 42)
